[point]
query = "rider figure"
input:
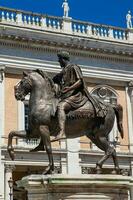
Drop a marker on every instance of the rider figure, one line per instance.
(74, 93)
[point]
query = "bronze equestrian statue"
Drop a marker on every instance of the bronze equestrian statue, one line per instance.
(63, 108)
(73, 92)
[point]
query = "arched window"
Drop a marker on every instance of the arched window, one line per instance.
(107, 94)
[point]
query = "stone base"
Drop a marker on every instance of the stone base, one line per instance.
(84, 187)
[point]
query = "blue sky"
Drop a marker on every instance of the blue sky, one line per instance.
(109, 12)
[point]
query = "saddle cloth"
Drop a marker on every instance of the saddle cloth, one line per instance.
(87, 111)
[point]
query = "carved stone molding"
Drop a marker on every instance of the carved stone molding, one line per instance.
(9, 168)
(86, 50)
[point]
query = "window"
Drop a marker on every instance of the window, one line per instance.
(23, 109)
(26, 111)
(107, 94)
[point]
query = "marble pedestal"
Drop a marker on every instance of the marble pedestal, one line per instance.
(84, 187)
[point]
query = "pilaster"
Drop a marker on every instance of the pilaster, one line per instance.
(8, 175)
(131, 188)
(1, 122)
(2, 181)
(2, 100)
(129, 95)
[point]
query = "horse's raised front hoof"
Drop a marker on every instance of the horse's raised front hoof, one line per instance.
(11, 153)
(98, 169)
(48, 170)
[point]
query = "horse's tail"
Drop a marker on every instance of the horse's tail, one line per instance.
(119, 117)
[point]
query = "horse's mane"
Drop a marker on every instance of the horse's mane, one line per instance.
(47, 78)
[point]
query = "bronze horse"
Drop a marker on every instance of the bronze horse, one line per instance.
(43, 121)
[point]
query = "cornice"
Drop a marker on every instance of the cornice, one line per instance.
(77, 46)
(54, 47)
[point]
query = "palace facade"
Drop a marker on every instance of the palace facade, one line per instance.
(105, 54)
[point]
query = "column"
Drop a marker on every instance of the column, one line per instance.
(131, 188)
(73, 147)
(8, 176)
(2, 180)
(129, 95)
(2, 100)
(1, 126)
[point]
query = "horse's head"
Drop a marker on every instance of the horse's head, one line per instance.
(35, 79)
(23, 87)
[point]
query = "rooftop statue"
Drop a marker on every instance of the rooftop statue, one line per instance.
(63, 108)
(66, 8)
(129, 19)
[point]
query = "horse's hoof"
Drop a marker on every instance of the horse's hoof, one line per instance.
(98, 171)
(48, 170)
(116, 171)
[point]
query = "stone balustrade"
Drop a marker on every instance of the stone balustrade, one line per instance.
(99, 31)
(29, 19)
(63, 25)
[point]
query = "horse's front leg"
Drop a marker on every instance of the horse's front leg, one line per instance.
(20, 134)
(45, 135)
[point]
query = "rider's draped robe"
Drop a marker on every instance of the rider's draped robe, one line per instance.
(79, 96)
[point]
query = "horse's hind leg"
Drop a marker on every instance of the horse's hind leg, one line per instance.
(20, 134)
(100, 163)
(45, 135)
(116, 169)
(109, 151)
(102, 143)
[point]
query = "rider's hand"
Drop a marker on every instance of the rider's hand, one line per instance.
(65, 90)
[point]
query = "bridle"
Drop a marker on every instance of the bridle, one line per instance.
(27, 84)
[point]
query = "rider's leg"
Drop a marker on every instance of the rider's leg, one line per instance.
(63, 107)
